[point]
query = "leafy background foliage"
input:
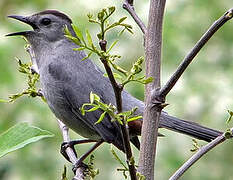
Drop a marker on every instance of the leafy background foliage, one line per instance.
(203, 95)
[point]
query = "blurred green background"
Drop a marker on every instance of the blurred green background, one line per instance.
(203, 94)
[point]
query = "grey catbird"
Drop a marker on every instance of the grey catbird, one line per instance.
(67, 81)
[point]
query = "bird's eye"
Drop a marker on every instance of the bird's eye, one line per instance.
(45, 21)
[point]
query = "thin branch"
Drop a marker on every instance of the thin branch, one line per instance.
(151, 116)
(128, 6)
(194, 51)
(124, 128)
(203, 150)
(79, 174)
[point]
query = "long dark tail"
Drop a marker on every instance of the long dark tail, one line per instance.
(189, 128)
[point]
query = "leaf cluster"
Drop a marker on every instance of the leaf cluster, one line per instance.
(196, 146)
(96, 104)
(92, 172)
(87, 44)
(102, 20)
(32, 79)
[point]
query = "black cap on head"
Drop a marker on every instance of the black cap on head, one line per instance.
(55, 13)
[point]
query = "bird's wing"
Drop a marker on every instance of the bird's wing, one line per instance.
(109, 131)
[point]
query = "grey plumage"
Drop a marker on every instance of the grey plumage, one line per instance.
(67, 82)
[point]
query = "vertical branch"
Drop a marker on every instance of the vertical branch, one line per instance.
(124, 128)
(153, 104)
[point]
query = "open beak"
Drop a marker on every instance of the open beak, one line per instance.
(25, 20)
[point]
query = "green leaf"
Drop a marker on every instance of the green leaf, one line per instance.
(100, 15)
(64, 173)
(122, 19)
(230, 117)
(92, 97)
(4, 101)
(112, 45)
(97, 98)
(118, 68)
(79, 49)
(100, 36)
(89, 54)
(121, 32)
(19, 136)
(134, 118)
(140, 176)
(148, 80)
(93, 109)
(101, 118)
(74, 39)
(82, 109)
(111, 10)
(78, 33)
(116, 76)
(117, 158)
(89, 39)
(67, 32)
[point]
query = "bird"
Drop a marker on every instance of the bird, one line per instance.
(67, 82)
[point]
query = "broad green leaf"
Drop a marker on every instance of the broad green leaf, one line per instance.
(101, 118)
(19, 136)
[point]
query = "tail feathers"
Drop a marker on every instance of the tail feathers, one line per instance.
(189, 128)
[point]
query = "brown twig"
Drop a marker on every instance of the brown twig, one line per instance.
(128, 6)
(194, 51)
(124, 128)
(202, 151)
(79, 174)
(153, 105)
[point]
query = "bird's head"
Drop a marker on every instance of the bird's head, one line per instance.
(47, 26)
